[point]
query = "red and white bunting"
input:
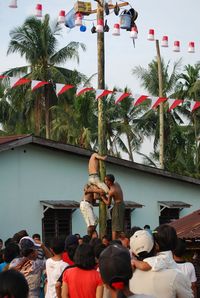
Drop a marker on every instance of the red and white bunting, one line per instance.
(82, 90)
(101, 92)
(14, 82)
(3, 77)
(139, 98)
(173, 103)
(119, 96)
(61, 88)
(155, 101)
(37, 84)
(194, 105)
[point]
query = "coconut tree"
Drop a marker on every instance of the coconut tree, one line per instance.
(148, 123)
(37, 42)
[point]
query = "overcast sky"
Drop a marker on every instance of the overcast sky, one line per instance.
(179, 19)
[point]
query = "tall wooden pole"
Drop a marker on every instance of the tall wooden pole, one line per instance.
(101, 120)
(161, 107)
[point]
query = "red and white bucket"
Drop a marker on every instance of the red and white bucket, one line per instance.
(164, 42)
(151, 35)
(134, 33)
(13, 4)
(61, 17)
(191, 47)
(176, 47)
(99, 28)
(116, 30)
(38, 11)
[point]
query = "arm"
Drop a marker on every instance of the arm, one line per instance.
(140, 265)
(46, 251)
(106, 200)
(65, 292)
(100, 157)
(58, 289)
(99, 292)
(194, 289)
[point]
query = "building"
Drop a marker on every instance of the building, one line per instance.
(41, 183)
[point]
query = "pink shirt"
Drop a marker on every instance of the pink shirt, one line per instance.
(82, 283)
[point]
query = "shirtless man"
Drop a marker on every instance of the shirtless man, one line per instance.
(86, 207)
(93, 169)
(115, 193)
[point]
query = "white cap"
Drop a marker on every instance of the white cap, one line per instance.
(141, 241)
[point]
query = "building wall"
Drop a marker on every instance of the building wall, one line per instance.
(32, 173)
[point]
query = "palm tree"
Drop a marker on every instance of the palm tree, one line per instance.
(149, 120)
(188, 87)
(36, 41)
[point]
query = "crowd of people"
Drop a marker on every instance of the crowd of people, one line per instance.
(147, 264)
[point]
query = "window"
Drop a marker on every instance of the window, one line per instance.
(56, 223)
(168, 214)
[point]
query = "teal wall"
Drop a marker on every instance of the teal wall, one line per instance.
(31, 173)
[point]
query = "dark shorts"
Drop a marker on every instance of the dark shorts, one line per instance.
(118, 217)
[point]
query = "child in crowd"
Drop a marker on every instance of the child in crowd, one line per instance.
(54, 267)
(165, 242)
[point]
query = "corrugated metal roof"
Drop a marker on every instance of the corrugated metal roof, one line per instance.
(62, 204)
(188, 227)
(174, 204)
(132, 205)
(7, 139)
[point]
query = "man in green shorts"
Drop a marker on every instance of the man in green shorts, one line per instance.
(115, 193)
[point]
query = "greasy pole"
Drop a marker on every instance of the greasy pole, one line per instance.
(101, 121)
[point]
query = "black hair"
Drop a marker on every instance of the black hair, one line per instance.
(165, 236)
(147, 227)
(116, 241)
(1, 240)
(95, 241)
(13, 284)
(36, 236)
(86, 239)
(110, 177)
(78, 235)
(11, 252)
(180, 249)
(57, 245)
(19, 235)
(8, 241)
(27, 251)
(84, 257)
(134, 229)
(98, 250)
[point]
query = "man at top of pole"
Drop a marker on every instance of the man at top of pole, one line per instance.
(93, 169)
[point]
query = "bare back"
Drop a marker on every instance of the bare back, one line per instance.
(93, 165)
(116, 193)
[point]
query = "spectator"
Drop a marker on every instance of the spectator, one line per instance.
(1, 251)
(105, 240)
(11, 252)
(29, 265)
(186, 267)
(13, 285)
(124, 240)
(196, 263)
(37, 239)
(71, 243)
(165, 283)
(82, 281)
(116, 271)
(54, 267)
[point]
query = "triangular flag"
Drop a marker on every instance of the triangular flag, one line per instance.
(194, 105)
(139, 98)
(101, 93)
(82, 90)
(173, 103)
(61, 88)
(3, 77)
(155, 101)
(17, 82)
(119, 96)
(37, 84)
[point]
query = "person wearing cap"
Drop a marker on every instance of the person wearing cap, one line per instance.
(116, 271)
(162, 279)
(29, 265)
(118, 210)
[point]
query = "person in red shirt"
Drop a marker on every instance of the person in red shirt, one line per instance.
(83, 281)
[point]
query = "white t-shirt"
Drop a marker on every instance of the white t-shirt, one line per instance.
(188, 269)
(53, 271)
(163, 260)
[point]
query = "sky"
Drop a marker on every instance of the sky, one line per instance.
(178, 19)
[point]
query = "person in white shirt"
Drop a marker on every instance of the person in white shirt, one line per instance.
(116, 271)
(186, 267)
(165, 283)
(54, 267)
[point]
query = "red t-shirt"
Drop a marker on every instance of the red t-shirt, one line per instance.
(82, 283)
(65, 258)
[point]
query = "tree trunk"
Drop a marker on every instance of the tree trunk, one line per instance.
(101, 121)
(161, 108)
(37, 113)
(47, 112)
